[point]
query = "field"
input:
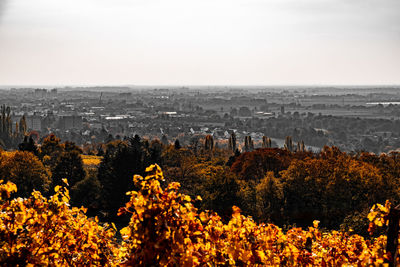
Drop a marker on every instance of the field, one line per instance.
(91, 160)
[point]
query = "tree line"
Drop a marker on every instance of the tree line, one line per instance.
(285, 186)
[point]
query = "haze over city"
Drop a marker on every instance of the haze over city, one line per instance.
(182, 42)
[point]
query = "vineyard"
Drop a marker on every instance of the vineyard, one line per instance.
(90, 160)
(166, 228)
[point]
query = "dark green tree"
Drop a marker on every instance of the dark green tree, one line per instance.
(68, 165)
(87, 193)
(177, 144)
(155, 150)
(121, 161)
(28, 145)
(51, 147)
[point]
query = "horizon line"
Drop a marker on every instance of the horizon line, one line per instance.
(16, 86)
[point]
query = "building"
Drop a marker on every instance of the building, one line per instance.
(34, 122)
(69, 122)
(40, 93)
(53, 92)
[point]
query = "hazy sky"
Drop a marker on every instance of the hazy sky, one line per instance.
(207, 42)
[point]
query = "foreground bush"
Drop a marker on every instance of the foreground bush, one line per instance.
(165, 229)
(44, 232)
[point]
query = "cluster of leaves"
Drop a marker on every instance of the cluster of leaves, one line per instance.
(166, 229)
(378, 216)
(382, 218)
(41, 231)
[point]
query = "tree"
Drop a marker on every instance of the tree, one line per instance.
(266, 142)
(289, 144)
(194, 143)
(181, 165)
(330, 188)
(301, 147)
(109, 138)
(232, 142)
(167, 229)
(51, 147)
(122, 160)
(232, 158)
(8, 137)
(68, 165)
(155, 150)
(71, 146)
(254, 165)
(100, 151)
(5, 120)
(218, 187)
(87, 193)
(269, 197)
(22, 126)
(25, 170)
(248, 144)
(28, 145)
(177, 144)
(209, 143)
(64, 160)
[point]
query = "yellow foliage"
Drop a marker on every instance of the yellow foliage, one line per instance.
(42, 232)
(91, 161)
(379, 215)
(165, 229)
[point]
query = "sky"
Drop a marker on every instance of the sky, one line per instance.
(199, 42)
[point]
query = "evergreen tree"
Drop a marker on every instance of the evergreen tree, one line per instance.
(232, 159)
(68, 165)
(177, 144)
(232, 142)
(87, 193)
(100, 151)
(28, 145)
(155, 151)
(121, 161)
